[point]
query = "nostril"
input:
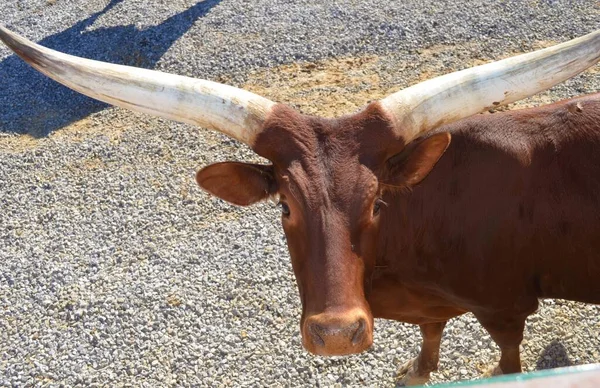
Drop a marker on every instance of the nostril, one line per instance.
(359, 333)
(315, 332)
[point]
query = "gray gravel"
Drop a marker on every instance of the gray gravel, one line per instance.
(116, 269)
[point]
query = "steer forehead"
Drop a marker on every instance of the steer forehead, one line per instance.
(327, 161)
(329, 187)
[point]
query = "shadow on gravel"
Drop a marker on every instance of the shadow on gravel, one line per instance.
(36, 105)
(554, 356)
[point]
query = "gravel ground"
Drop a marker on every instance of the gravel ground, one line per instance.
(115, 269)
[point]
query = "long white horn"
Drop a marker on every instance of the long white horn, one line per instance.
(235, 112)
(451, 97)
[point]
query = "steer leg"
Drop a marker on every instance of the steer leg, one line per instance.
(417, 370)
(507, 332)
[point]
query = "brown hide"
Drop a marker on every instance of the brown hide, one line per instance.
(510, 213)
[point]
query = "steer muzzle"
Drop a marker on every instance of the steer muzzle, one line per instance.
(338, 334)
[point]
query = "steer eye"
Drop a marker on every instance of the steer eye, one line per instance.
(377, 207)
(285, 209)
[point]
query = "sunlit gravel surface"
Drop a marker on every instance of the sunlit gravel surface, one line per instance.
(115, 269)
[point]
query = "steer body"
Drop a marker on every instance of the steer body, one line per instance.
(509, 214)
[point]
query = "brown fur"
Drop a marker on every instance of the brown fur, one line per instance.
(485, 215)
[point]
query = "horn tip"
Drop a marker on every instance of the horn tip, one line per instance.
(8, 37)
(27, 50)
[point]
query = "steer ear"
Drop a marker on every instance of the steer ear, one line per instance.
(413, 163)
(239, 183)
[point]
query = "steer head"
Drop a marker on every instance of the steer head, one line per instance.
(329, 175)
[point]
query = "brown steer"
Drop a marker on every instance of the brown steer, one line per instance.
(407, 210)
